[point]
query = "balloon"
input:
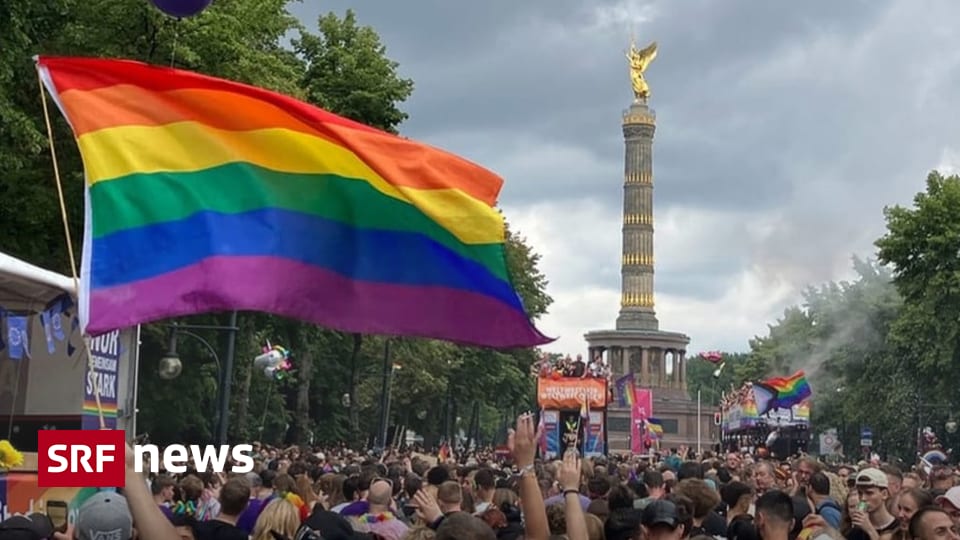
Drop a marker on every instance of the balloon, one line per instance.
(271, 359)
(274, 362)
(181, 8)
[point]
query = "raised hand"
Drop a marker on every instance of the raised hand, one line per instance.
(570, 471)
(522, 441)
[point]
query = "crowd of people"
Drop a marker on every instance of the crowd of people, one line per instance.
(559, 366)
(298, 495)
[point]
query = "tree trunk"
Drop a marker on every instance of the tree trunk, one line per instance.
(304, 376)
(243, 403)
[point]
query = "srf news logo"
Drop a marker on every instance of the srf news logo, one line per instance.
(97, 458)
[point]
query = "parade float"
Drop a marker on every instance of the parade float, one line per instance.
(770, 417)
(48, 382)
(573, 397)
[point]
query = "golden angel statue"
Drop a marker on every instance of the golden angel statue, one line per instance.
(640, 59)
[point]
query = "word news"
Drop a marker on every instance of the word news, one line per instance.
(78, 458)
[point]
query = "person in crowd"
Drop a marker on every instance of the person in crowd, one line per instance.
(775, 515)
(950, 503)
(820, 500)
(279, 517)
(872, 520)
(380, 518)
(163, 488)
(234, 498)
(932, 523)
(909, 501)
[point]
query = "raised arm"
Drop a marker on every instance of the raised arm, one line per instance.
(523, 446)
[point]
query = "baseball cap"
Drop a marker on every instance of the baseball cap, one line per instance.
(872, 478)
(952, 496)
(104, 516)
(24, 528)
(660, 512)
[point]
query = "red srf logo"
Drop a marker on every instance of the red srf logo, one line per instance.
(77, 458)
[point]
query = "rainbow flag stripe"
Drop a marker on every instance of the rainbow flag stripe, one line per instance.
(90, 407)
(208, 195)
(790, 390)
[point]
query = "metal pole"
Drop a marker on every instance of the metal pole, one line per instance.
(385, 394)
(135, 368)
(386, 414)
(226, 378)
(699, 424)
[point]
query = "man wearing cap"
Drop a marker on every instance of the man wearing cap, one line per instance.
(104, 516)
(32, 527)
(872, 520)
(661, 520)
(950, 503)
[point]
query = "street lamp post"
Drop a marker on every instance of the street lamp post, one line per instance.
(171, 365)
(385, 393)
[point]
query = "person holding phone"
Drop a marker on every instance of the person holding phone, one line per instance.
(58, 512)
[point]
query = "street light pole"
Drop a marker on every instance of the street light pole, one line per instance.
(226, 380)
(385, 394)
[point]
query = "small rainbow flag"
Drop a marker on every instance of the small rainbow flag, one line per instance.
(208, 195)
(626, 388)
(655, 427)
(791, 390)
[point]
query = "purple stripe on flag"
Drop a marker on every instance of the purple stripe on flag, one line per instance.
(317, 295)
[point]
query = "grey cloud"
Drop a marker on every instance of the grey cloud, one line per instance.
(798, 120)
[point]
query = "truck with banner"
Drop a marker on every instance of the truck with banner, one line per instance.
(763, 418)
(573, 403)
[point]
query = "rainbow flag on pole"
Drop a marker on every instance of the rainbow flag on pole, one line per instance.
(208, 195)
(791, 390)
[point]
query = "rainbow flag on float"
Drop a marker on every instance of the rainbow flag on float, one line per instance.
(208, 195)
(625, 390)
(655, 428)
(788, 391)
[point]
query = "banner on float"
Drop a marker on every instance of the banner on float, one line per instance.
(19, 494)
(102, 376)
(566, 394)
(551, 428)
(594, 446)
(641, 410)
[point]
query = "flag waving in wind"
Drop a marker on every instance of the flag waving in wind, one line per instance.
(209, 195)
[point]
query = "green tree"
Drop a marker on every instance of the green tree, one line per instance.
(922, 244)
(348, 72)
(343, 68)
(712, 380)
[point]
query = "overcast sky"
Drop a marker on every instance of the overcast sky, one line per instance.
(784, 128)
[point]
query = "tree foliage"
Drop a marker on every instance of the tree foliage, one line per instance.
(881, 351)
(343, 68)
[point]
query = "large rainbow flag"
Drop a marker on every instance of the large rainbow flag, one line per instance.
(208, 195)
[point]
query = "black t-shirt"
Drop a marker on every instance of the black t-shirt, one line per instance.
(714, 525)
(857, 533)
(742, 528)
(218, 530)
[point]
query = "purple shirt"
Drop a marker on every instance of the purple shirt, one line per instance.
(355, 509)
(248, 518)
(559, 499)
